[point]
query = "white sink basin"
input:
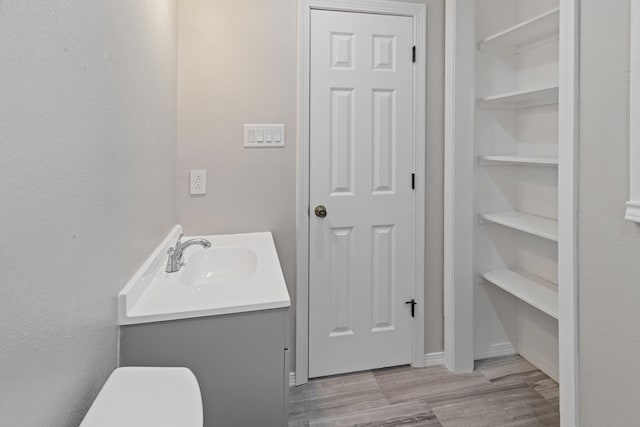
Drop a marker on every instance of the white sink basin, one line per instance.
(219, 266)
(239, 273)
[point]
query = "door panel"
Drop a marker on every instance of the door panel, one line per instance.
(342, 135)
(361, 159)
(383, 141)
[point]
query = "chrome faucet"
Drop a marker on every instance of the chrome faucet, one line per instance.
(175, 261)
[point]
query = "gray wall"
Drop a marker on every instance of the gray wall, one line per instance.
(87, 173)
(237, 65)
(434, 248)
(609, 245)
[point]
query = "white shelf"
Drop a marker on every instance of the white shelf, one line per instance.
(526, 35)
(532, 224)
(531, 289)
(517, 159)
(521, 99)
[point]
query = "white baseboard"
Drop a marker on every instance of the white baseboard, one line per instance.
(633, 211)
(434, 359)
(541, 362)
(437, 358)
(496, 350)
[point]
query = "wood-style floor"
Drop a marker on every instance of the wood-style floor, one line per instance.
(505, 391)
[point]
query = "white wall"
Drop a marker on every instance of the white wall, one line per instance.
(237, 64)
(609, 246)
(87, 173)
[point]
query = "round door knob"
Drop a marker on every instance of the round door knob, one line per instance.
(320, 211)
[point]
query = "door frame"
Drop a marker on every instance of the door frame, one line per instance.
(568, 203)
(418, 12)
(459, 110)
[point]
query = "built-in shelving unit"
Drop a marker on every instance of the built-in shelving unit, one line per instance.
(516, 124)
(521, 99)
(516, 159)
(531, 224)
(525, 35)
(526, 287)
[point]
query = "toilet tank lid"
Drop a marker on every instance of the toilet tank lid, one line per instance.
(146, 396)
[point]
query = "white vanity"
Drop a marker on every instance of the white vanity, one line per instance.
(224, 316)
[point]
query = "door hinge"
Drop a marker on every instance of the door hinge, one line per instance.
(413, 181)
(308, 210)
(413, 54)
(413, 307)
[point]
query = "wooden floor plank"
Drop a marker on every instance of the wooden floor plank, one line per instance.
(496, 405)
(406, 414)
(335, 396)
(415, 384)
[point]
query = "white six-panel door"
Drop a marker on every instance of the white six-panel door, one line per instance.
(361, 159)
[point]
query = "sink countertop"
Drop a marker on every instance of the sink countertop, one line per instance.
(152, 295)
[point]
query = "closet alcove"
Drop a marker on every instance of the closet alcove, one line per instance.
(516, 180)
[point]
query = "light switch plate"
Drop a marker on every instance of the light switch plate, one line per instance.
(263, 136)
(198, 181)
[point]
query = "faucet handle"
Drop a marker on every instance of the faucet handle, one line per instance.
(172, 264)
(179, 241)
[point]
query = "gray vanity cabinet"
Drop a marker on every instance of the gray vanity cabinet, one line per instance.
(240, 361)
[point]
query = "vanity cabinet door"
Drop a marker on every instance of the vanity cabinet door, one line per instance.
(237, 359)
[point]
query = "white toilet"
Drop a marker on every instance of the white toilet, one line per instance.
(147, 397)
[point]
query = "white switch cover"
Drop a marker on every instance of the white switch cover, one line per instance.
(263, 136)
(198, 181)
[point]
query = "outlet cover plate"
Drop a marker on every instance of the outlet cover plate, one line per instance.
(198, 181)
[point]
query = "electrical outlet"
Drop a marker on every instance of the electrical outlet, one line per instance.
(198, 181)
